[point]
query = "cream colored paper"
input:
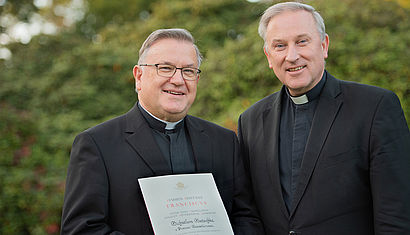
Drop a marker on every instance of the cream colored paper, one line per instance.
(185, 204)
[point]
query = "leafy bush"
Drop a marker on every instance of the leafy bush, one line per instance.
(57, 86)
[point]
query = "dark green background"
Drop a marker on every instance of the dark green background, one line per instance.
(57, 86)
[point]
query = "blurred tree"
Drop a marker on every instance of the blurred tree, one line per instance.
(22, 19)
(103, 14)
(403, 3)
(370, 44)
(22, 9)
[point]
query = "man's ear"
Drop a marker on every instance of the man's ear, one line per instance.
(325, 46)
(267, 56)
(137, 72)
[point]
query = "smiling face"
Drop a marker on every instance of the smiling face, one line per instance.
(168, 99)
(294, 50)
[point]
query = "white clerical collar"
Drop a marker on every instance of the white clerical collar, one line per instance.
(303, 99)
(168, 125)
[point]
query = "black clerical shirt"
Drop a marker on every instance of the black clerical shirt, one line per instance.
(174, 144)
(296, 120)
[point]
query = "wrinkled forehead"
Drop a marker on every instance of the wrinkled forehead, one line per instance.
(291, 24)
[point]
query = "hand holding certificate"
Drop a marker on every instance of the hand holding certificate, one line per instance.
(185, 204)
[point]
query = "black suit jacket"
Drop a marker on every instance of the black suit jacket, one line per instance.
(355, 173)
(102, 192)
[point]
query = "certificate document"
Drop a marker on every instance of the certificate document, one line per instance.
(185, 204)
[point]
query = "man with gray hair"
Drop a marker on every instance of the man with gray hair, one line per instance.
(325, 156)
(156, 137)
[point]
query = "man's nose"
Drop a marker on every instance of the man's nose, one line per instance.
(292, 54)
(177, 78)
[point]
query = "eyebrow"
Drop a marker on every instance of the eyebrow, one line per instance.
(303, 35)
(297, 36)
(183, 66)
(276, 40)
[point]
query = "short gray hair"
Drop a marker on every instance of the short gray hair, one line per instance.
(290, 6)
(175, 33)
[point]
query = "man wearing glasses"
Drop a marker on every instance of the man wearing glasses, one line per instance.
(156, 137)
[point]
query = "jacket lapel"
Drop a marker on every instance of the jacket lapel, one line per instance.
(326, 111)
(201, 145)
(271, 124)
(139, 136)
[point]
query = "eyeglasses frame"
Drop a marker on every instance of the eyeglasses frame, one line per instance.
(176, 68)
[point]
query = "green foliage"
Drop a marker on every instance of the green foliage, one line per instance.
(370, 45)
(234, 77)
(28, 182)
(57, 86)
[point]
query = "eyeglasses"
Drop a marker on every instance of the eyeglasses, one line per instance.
(167, 70)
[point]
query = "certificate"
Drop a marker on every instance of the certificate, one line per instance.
(185, 204)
